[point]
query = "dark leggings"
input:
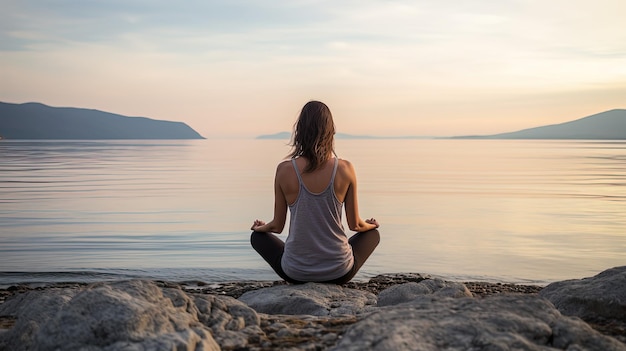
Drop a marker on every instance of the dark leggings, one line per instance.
(271, 248)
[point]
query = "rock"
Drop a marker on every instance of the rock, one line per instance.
(314, 299)
(383, 281)
(600, 297)
(409, 291)
(132, 315)
(31, 312)
(514, 322)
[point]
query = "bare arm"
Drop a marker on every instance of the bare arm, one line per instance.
(355, 223)
(277, 224)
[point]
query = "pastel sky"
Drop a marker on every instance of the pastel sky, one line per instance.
(243, 68)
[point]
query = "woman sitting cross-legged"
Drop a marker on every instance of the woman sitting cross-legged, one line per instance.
(315, 185)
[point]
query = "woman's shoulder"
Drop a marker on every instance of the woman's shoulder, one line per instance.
(286, 163)
(344, 163)
(345, 166)
(284, 166)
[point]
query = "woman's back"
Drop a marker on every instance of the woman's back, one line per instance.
(317, 247)
(316, 181)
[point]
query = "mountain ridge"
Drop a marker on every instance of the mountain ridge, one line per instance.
(607, 125)
(34, 120)
(287, 135)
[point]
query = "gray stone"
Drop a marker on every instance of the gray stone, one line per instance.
(600, 297)
(133, 315)
(409, 291)
(515, 322)
(309, 299)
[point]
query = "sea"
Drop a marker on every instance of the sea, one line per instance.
(513, 211)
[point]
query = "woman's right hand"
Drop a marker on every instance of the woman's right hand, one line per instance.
(372, 221)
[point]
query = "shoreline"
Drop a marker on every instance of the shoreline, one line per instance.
(236, 288)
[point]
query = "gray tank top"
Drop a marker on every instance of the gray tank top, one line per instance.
(317, 247)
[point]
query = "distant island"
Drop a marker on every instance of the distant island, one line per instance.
(287, 135)
(38, 121)
(608, 125)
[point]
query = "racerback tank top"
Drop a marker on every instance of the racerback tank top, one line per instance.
(317, 247)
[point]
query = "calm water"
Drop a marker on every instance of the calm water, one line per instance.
(517, 211)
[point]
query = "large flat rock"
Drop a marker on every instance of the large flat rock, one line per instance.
(314, 299)
(600, 297)
(409, 291)
(515, 322)
(133, 315)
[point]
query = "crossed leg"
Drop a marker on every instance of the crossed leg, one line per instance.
(271, 248)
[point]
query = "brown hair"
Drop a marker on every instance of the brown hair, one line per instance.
(313, 135)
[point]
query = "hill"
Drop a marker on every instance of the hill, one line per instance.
(287, 135)
(608, 125)
(38, 121)
(280, 135)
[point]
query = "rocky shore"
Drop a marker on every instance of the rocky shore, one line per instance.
(388, 312)
(374, 285)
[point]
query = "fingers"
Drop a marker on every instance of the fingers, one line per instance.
(257, 223)
(372, 221)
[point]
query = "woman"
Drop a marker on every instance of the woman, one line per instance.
(315, 185)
